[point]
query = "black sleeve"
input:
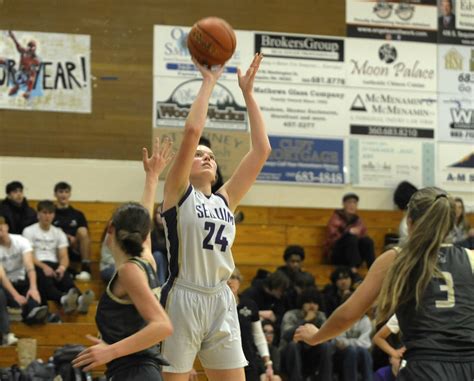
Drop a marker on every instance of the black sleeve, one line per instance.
(81, 220)
(252, 306)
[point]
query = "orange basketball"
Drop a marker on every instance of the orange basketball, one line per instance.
(211, 41)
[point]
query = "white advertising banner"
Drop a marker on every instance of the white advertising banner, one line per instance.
(465, 14)
(406, 66)
(173, 99)
(456, 22)
(300, 85)
(455, 167)
(176, 82)
(383, 163)
(395, 20)
(456, 118)
(391, 113)
(456, 70)
(45, 71)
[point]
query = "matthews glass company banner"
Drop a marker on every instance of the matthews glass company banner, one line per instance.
(392, 20)
(455, 167)
(384, 163)
(300, 84)
(304, 161)
(45, 71)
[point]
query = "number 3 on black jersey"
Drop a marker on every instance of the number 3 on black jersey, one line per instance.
(450, 301)
(219, 239)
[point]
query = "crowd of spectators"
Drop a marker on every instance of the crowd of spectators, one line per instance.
(44, 252)
(37, 252)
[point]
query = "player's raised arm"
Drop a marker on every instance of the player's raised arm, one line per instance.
(251, 165)
(177, 180)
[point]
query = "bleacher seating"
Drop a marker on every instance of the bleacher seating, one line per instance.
(260, 242)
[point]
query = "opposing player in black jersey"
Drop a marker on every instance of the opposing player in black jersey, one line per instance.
(129, 316)
(429, 284)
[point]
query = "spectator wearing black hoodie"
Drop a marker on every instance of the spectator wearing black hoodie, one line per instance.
(342, 282)
(18, 214)
(294, 258)
(268, 295)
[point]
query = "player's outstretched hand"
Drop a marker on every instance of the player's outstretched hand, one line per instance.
(246, 81)
(306, 333)
(98, 354)
(160, 157)
(209, 73)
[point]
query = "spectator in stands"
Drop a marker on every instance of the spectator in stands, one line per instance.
(51, 260)
(16, 258)
(158, 245)
(299, 360)
(15, 208)
(294, 258)
(341, 285)
(268, 293)
(74, 224)
(254, 345)
(7, 337)
(390, 372)
(107, 263)
(303, 280)
(275, 356)
(347, 243)
(401, 197)
(462, 233)
(352, 350)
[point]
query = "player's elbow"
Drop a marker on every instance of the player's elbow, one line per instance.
(192, 129)
(267, 150)
(168, 328)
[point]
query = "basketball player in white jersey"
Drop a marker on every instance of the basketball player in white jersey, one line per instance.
(200, 230)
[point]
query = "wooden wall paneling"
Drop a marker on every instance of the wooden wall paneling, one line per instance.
(122, 47)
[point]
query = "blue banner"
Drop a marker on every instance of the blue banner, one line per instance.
(305, 160)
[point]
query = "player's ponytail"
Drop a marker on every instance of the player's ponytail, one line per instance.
(132, 225)
(432, 215)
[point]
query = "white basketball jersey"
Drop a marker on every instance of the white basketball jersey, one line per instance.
(200, 232)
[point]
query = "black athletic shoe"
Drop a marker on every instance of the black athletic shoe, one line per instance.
(37, 315)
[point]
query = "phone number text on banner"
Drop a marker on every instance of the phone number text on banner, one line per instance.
(305, 161)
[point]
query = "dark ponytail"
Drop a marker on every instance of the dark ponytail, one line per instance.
(130, 242)
(132, 225)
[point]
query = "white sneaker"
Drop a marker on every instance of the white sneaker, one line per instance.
(69, 300)
(9, 339)
(83, 276)
(84, 301)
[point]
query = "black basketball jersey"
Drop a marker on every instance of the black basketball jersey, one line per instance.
(442, 328)
(118, 318)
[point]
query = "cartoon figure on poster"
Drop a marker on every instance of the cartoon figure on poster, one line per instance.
(24, 77)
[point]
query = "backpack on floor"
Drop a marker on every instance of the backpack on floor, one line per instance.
(62, 359)
(39, 371)
(13, 374)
